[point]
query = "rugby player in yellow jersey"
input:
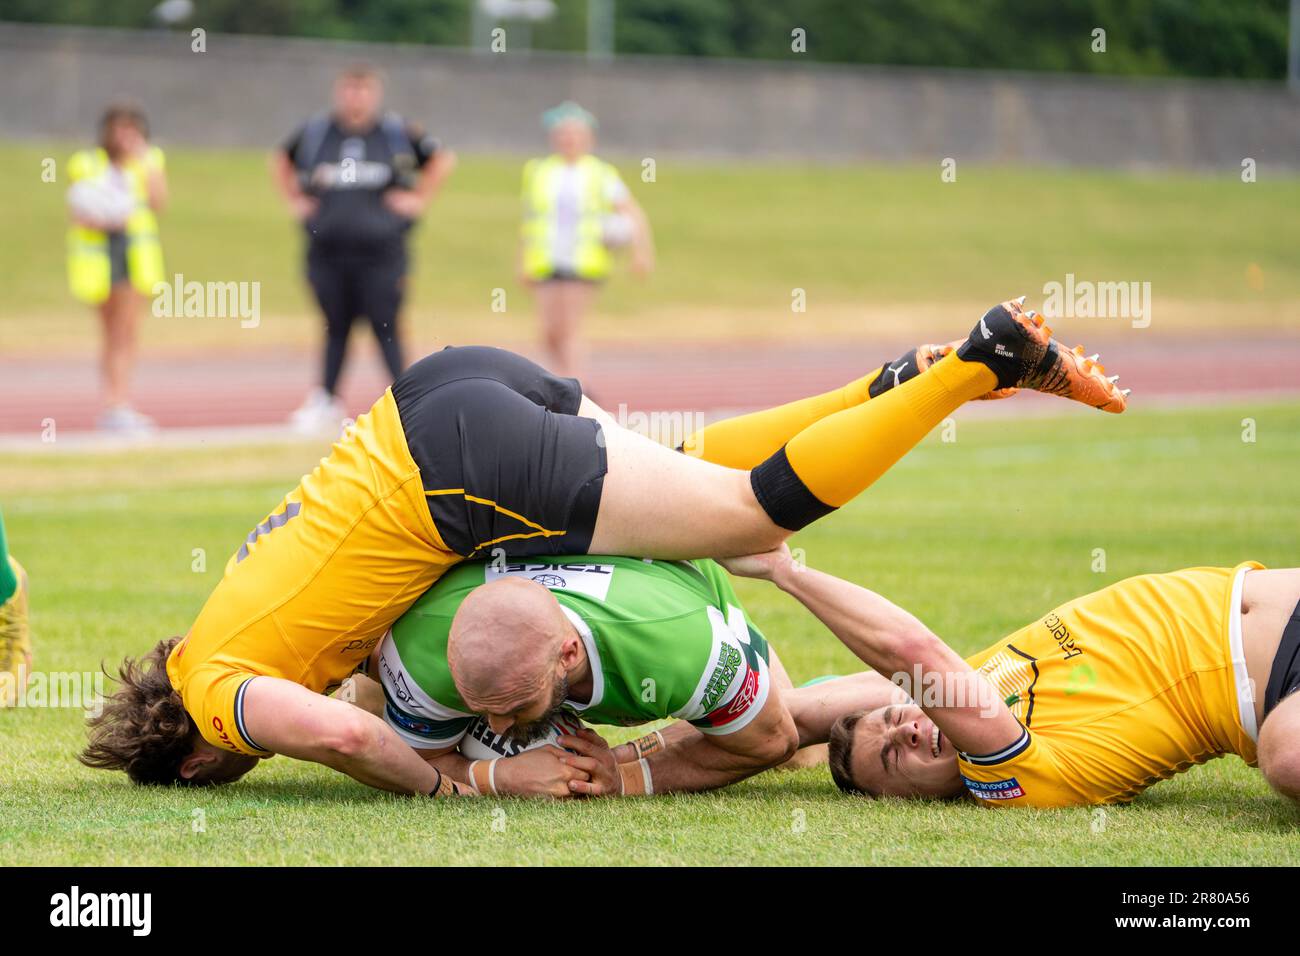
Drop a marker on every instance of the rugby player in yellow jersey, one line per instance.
(475, 452)
(1090, 704)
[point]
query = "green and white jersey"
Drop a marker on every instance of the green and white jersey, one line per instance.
(664, 639)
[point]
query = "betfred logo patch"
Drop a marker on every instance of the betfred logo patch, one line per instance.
(1007, 789)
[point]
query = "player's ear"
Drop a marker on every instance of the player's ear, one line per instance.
(196, 763)
(570, 652)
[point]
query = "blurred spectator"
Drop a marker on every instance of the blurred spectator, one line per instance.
(357, 179)
(114, 256)
(15, 633)
(576, 209)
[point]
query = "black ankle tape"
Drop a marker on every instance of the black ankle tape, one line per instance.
(784, 496)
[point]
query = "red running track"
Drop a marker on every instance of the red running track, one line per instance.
(238, 389)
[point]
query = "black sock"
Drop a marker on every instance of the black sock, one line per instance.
(784, 496)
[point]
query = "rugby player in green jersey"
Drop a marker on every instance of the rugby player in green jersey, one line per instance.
(612, 640)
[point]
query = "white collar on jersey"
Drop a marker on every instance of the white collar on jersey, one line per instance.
(593, 659)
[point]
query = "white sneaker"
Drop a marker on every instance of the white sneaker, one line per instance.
(320, 412)
(125, 420)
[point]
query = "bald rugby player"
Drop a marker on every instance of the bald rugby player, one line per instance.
(476, 451)
(608, 640)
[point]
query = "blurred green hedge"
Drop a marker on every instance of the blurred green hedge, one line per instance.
(1212, 38)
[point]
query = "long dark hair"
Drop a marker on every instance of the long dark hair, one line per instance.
(144, 728)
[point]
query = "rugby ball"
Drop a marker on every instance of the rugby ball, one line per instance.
(480, 743)
(616, 230)
(101, 200)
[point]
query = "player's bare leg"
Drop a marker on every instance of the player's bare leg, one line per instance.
(660, 504)
(562, 305)
(657, 503)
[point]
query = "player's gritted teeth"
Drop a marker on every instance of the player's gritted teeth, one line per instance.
(901, 752)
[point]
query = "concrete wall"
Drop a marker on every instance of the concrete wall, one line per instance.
(249, 91)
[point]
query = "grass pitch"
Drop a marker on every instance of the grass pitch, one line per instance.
(976, 536)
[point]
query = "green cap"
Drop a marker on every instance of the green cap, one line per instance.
(568, 110)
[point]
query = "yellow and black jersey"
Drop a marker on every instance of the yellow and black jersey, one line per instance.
(471, 450)
(317, 583)
(1118, 690)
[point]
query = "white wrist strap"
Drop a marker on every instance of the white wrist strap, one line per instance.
(491, 776)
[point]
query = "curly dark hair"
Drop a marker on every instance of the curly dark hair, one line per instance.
(144, 728)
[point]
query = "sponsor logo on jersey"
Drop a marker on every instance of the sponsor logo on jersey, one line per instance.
(729, 660)
(410, 723)
(395, 678)
(1061, 634)
(224, 737)
(747, 694)
(401, 690)
(352, 172)
(357, 644)
(1008, 789)
(584, 577)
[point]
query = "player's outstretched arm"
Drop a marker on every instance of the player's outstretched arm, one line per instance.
(287, 718)
(888, 638)
(816, 708)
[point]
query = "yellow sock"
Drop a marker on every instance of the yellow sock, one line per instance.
(746, 440)
(840, 455)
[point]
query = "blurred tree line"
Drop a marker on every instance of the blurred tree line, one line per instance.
(1219, 38)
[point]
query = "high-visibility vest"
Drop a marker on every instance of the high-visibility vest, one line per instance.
(89, 268)
(541, 183)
